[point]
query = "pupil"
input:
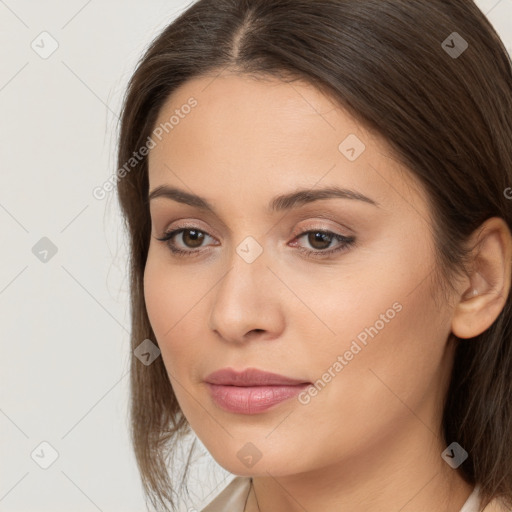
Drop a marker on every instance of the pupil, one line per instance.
(321, 237)
(196, 237)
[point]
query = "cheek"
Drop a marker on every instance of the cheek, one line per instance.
(386, 327)
(391, 348)
(159, 302)
(173, 302)
(168, 293)
(390, 380)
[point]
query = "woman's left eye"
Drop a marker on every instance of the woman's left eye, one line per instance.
(319, 237)
(324, 239)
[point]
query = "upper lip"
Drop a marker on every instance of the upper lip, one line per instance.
(250, 377)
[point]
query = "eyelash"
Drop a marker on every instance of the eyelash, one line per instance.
(345, 243)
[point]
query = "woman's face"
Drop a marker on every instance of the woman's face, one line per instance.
(361, 324)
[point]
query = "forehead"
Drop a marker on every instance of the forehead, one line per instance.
(248, 135)
(261, 116)
(221, 92)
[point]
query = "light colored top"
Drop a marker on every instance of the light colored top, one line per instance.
(234, 497)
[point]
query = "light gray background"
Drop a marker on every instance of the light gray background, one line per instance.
(64, 322)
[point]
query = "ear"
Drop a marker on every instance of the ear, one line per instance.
(486, 289)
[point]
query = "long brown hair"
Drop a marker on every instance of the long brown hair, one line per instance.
(447, 117)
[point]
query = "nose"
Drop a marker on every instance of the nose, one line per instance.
(248, 301)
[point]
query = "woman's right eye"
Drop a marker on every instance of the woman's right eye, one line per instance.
(195, 236)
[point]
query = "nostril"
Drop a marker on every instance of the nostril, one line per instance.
(256, 330)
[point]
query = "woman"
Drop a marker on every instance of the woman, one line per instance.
(317, 195)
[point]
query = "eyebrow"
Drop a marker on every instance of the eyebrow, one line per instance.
(279, 203)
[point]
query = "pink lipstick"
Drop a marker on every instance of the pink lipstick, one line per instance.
(251, 391)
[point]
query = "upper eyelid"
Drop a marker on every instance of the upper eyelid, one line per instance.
(196, 224)
(315, 217)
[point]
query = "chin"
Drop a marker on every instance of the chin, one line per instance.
(241, 464)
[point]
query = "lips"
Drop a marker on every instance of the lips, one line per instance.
(250, 377)
(251, 391)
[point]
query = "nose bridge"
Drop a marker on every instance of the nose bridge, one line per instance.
(247, 267)
(242, 300)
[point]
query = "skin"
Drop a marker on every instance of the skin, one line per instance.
(371, 439)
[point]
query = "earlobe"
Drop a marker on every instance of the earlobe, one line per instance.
(484, 296)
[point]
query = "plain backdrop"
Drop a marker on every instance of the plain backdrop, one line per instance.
(63, 263)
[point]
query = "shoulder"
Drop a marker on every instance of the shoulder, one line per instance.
(475, 501)
(233, 496)
(497, 505)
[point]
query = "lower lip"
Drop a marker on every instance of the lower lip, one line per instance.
(252, 399)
